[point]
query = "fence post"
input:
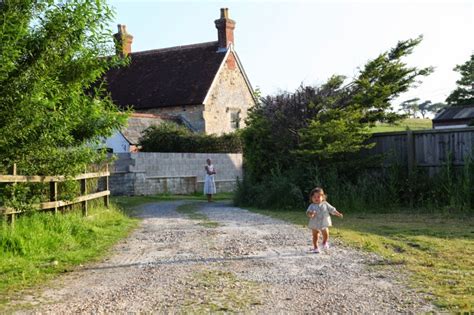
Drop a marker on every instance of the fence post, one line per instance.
(83, 193)
(53, 193)
(107, 198)
(12, 215)
(411, 155)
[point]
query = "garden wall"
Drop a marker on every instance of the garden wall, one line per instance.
(148, 173)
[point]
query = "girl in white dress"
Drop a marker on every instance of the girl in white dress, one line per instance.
(319, 218)
(209, 184)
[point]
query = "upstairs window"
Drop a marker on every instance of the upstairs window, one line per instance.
(235, 119)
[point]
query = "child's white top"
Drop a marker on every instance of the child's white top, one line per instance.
(322, 219)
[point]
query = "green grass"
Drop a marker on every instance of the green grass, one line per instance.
(42, 245)
(214, 291)
(407, 124)
(191, 210)
(437, 249)
(131, 202)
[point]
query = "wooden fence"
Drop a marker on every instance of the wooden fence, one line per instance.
(54, 204)
(429, 149)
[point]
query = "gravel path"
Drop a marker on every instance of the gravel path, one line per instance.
(233, 261)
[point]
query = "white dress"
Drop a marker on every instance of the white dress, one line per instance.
(322, 219)
(209, 184)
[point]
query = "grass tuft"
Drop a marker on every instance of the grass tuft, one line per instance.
(191, 210)
(436, 248)
(220, 291)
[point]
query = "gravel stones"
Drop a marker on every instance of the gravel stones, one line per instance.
(248, 263)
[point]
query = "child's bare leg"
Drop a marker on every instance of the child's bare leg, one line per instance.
(315, 238)
(325, 235)
(209, 197)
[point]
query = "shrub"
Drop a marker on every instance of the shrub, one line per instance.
(367, 190)
(171, 137)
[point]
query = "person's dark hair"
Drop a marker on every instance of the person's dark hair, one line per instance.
(317, 190)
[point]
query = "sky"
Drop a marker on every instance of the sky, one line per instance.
(283, 44)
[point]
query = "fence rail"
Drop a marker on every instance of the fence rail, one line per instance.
(429, 149)
(54, 204)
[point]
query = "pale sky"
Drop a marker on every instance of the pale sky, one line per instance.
(285, 43)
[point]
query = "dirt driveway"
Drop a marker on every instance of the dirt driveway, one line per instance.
(227, 260)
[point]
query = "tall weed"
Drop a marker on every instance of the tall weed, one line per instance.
(41, 244)
(377, 189)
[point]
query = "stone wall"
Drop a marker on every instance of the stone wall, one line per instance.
(229, 94)
(147, 173)
(192, 113)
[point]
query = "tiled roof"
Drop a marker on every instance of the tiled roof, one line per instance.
(138, 123)
(166, 77)
(465, 112)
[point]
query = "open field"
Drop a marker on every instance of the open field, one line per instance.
(437, 249)
(407, 124)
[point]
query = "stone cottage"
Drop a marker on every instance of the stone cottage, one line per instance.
(203, 86)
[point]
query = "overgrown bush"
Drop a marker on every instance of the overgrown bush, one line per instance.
(376, 189)
(313, 137)
(54, 107)
(277, 191)
(171, 137)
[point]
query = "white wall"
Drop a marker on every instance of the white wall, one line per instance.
(118, 143)
(450, 126)
(148, 173)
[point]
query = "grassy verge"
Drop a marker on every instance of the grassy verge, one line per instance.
(191, 211)
(407, 124)
(42, 245)
(437, 249)
(219, 291)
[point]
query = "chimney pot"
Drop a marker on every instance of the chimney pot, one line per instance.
(225, 30)
(123, 41)
(224, 13)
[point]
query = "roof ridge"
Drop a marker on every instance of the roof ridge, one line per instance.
(152, 51)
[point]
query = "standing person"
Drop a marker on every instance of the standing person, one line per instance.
(319, 218)
(209, 184)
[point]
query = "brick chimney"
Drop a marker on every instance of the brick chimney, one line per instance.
(123, 41)
(225, 30)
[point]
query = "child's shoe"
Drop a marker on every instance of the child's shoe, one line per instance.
(315, 250)
(326, 245)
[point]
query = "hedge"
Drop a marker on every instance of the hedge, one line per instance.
(171, 137)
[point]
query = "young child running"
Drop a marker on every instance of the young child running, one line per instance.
(319, 218)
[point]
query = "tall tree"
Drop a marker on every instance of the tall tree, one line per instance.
(424, 108)
(410, 107)
(326, 121)
(436, 107)
(53, 105)
(464, 93)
